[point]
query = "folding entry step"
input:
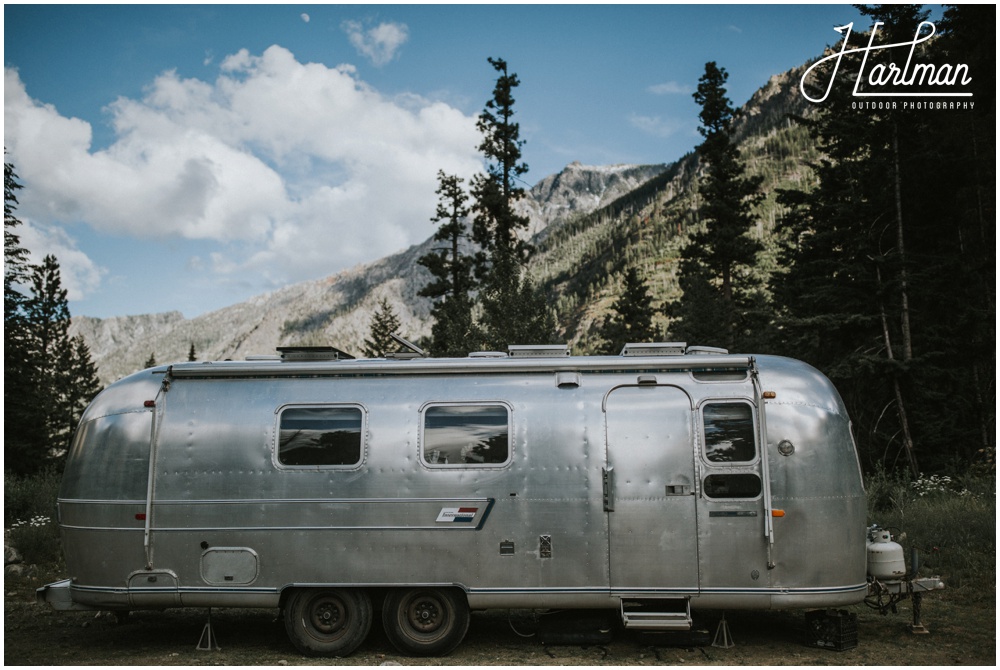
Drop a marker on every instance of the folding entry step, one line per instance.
(657, 613)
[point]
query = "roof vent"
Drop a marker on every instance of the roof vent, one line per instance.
(487, 354)
(654, 349)
(414, 350)
(538, 350)
(313, 354)
(695, 351)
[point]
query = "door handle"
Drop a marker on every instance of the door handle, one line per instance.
(608, 486)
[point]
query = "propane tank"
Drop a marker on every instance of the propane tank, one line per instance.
(885, 557)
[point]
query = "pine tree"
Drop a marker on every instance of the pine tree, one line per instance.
(513, 310)
(453, 332)
(22, 436)
(890, 287)
(496, 224)
(151, 361)
(723, 251)
(631, 319)
(48, 377)
(47, 314)
(192, 355)
(60, 374)
(384, 324)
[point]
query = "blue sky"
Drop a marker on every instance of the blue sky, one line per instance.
(188, 157)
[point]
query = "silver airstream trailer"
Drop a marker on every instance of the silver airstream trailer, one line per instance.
(657, 482)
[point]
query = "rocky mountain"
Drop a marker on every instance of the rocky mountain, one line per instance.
(581, 260)
(336, 309)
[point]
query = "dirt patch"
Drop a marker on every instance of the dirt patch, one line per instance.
(962, 632)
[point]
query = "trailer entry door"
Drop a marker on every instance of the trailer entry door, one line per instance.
(651, 491)
(732, 509)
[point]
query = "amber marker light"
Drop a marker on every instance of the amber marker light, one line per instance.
(777, 513)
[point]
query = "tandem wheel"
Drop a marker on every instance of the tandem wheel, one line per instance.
(328, 621)
(425, 621)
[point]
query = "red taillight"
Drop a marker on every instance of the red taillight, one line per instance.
(149, 403)
(141, 516)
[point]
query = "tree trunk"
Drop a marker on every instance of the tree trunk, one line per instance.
(900, 405)
(904, 301)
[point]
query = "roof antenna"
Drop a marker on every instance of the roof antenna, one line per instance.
(408, 345)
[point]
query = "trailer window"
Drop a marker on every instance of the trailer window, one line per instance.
(466, 435)
(729, 432)
(320, 436)
(732, 486)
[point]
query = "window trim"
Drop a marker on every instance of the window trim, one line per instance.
(276, 443)
(703, 447)
(422, 440)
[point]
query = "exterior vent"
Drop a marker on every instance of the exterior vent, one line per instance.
(695, 351)
(567, 380)
(408, 351)
(538, 350)
(487, 354)
(313, 354)
(655, 349)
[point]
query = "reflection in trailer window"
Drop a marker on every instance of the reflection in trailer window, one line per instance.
(320, 436)
(729, 432)
(466, 435)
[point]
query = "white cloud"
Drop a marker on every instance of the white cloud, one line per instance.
(379, 44)
(297, 169)
(655, 125)
(78, 273)
(668, 88)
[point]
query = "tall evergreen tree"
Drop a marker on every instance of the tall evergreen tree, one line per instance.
(891, 272)
(718, 260)
(513, 310)
(631, 319)
(20, 393)
(48, 377)
(384, 324)
(496, 224)
(453, 332)
(48, 350)
(59, 376)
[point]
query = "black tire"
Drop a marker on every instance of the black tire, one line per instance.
(328, 622)
(425, 621)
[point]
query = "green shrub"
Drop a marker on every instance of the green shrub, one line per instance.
(27, 497)
(950, 520)
(37, 539)
(29, 505)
